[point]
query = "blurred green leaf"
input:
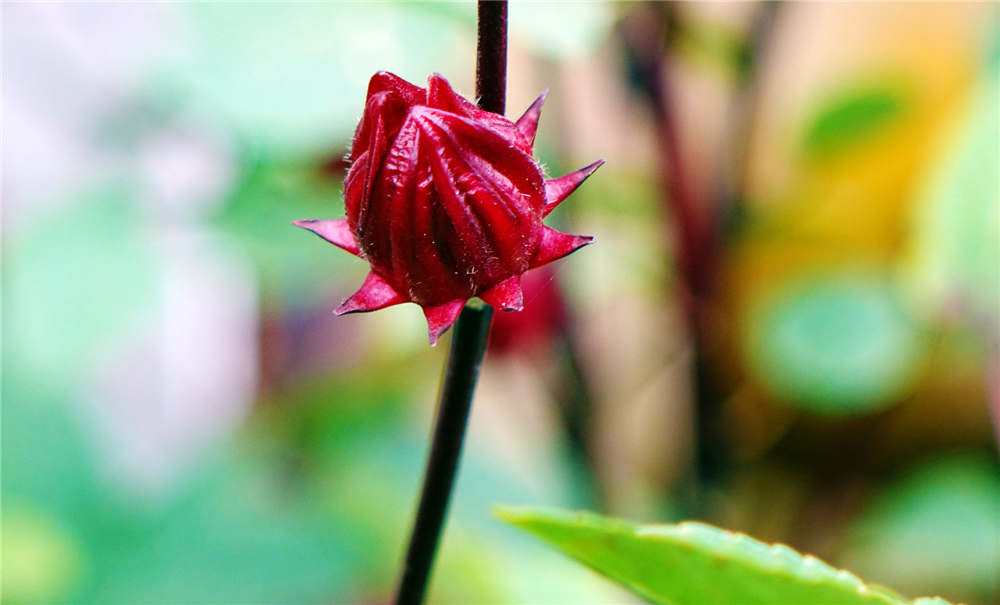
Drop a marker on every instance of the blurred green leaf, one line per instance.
(297, 95)
(850, 116)
(48, 465)
(75, 280)
(694, 563)
(957, 234)
(938, 528)
(41, 560)
(258, 215)
(834, 344)
(233, 535)
(52, 492)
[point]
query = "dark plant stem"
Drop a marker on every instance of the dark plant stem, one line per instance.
(687, 223)
(468, 345)
(698, 227)
(712, 457)
(491, 56)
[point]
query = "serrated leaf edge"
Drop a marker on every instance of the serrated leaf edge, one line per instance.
(773, 558)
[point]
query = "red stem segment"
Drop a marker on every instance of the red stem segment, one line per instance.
(468, 346)
(697, 226)
(491, 56)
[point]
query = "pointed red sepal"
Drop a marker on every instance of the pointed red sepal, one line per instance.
(556, 190)
(374, 294)
(556, 245)
(527, 124)
(441, 95)
(383, 80)
(440, 318)
(506, 295)
(337, 232)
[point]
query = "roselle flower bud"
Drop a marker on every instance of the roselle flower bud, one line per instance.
(445, 201)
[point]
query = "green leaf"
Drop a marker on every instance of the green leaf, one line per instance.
(694, 563)
(834, 344)
(75, 279)
(258, 216)
(936, 528)
(850, 116)
(301, 94)
(957, 223)
(229, 537)
(41, 560)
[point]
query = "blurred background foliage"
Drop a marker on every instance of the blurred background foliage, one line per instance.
(184, 422)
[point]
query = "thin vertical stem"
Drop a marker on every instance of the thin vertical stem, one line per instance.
(491, 56)
(468, 345)
(697, 226)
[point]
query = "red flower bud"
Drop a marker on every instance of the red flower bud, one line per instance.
(445, 201)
